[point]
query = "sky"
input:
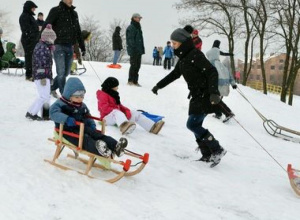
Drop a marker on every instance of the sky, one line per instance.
(160, 17)
(247, 185)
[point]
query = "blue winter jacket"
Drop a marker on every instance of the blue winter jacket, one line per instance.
(168, 52)
(61, 110)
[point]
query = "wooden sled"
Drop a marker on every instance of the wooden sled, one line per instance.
(103, 162)
(294, 177)
(279, 131)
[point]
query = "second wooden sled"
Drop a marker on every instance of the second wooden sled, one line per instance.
(90, 162)
(294, 177)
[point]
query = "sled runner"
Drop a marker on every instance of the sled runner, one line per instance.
(103, 163)
(7, 69)
(294, 177)
(77, 69)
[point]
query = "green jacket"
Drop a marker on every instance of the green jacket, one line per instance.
(9, 55)
(134, 39)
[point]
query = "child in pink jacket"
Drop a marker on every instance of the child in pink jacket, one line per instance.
(113, 112)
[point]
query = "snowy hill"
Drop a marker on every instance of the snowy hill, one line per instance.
(248, 184)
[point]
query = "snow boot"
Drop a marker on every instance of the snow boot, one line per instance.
(102, 148)
(157, 127)
(45, 112)
(120, 147)
(127, 127)
(205, 151)
(33, 117)
(216, 150)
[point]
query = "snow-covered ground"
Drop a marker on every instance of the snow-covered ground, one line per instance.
(248, 183)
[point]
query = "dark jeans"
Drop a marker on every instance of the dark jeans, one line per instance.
(135, 65)
(194, 124)
(155, 61)
(63, 56)
(28, 50)
(167, 63)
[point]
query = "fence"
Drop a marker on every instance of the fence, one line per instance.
(258, 85)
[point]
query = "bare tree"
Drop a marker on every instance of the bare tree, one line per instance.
(123, 25)
(286, 19)
(99, 47)
(215, 17)
(5, 23)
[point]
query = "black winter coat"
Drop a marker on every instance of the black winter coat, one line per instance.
(29, 27)
(117, 40)
(1, 49)
(65, 23)
(200, 75)
(134, 39)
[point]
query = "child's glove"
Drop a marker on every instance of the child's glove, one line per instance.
(71, 122)
(214, 99)
(128, 114)
(43, 82)
(234, 86)
(155, 89)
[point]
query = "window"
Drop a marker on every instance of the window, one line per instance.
(257, 77)
(251, 76)
(258, 66)
(272, 78)
(281, 61)
(272, 67)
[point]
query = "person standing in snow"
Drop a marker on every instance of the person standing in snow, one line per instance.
(225, 79)
(30, 35)
(1, 45)
(168, 52)
(65, 22)
(113, 112)
(135, 48)
(202, 81)
(71, 108)
(40, 21)
(195, 36)
(42, 72)
(155, 55)
(117, 47)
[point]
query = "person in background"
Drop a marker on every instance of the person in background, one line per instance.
(225, 79)
(1, 45)
(196, 39)
(117, 47)
(160, 55)
(30, 35)
(202, 81)
(113, 112)
(40, 20)
(42, 74)
(10, 58)
(65, 23)
(155, 56)
(168, 52)
(135, 48)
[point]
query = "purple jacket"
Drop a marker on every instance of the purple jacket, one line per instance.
(42, 61)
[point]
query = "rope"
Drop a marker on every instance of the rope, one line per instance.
(94, 71)
(251, 134)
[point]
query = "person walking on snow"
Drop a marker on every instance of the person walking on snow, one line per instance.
(42, 73)
(113, 112)
(135, 48)
(65, 23)
(225, 79)
(30, 35)
(168, 52)
(202, 81)
(117, 47)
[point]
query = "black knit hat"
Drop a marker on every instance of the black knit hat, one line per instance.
(110, 83)
(85, 34)
(216, 44)
(188, 28)
(180, 35)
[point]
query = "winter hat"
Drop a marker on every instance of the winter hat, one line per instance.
(136, 15)
(79, 93)
(30, 5)
(48, 35)
(85, 35)
(196, 32)
(216, 44)
(180, 35)
(1, 31)
(40, 13)
(189, 28)
(110, 83)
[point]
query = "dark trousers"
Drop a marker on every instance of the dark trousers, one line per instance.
(167, 63)
(28, 50)
(194, 124)
(222, 108)
(135, 65)
(155, 61)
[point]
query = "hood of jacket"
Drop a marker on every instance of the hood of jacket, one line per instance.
(72, 85)
(10, 46)
(28, 6)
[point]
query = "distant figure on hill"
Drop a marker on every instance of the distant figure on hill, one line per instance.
(135, 48)
(155, 55)
(225, 79)
(202, 81)
(168, 53)
(117, 47)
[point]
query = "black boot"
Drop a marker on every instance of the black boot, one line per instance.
(216, 150)
(205, 151)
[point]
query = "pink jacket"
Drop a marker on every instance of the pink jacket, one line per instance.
(106, 104)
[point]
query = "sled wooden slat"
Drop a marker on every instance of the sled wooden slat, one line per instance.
(293, 178)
